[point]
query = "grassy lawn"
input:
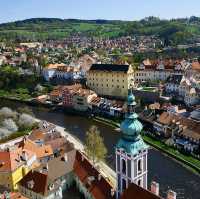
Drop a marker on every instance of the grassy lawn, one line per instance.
(189, 160)
(107, 121)
(148, 88)
(15, 95)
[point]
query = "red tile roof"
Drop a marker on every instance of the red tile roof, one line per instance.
(99, 188)
(40, 182)
(136, 192)
(17, 195)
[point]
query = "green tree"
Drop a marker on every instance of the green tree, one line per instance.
(94, 146)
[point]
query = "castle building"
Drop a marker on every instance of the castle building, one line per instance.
(131, 152)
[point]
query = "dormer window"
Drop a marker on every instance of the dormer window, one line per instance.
(51, 187)
(30, 184)
(2, 164)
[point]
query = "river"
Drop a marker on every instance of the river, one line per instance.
(161, 168)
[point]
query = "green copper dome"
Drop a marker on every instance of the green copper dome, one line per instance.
(131, 99)
(131, 128)
(132, 147)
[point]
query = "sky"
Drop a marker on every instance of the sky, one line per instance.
(13, 10)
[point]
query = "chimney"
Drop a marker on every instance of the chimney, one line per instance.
(24, 156)
(99, 177)
(112, 192)
(45, 168)
(30, 184)
(2, 164)
(155, 188)
(24, 140)
(65, 158)
(90, 179)
(171, 194)
(82, 158)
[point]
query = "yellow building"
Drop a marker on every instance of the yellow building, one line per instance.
(110, 80)
(14, 165)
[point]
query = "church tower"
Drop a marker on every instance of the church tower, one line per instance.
(131, 151)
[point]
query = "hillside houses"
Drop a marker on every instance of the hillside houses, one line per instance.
(184, 131)
(61, 72)
(158, 70)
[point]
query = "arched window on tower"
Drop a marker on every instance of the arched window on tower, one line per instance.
(123, 184)
(139, 166)
(139, 182)
(123, 166)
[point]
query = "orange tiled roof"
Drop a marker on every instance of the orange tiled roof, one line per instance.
(17, 195)
(54, 66)
(191, 127)
(37, 135)
(10, 160)
(55, 92)
(40, 151)
(196, 65)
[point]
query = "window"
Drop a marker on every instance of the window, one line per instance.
(139, 166)
(123, 166)
(123, 184)
(139, 182)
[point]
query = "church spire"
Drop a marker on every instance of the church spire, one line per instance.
(131, 128)
(131, 151)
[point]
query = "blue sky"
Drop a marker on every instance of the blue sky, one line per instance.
(12, 10)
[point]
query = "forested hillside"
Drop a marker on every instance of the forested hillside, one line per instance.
(173, 32)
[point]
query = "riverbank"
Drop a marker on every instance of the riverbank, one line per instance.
(161, 167)
(105, 121)
(106, 171)
(186, 160)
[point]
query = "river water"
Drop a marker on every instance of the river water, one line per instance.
(167, 172)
